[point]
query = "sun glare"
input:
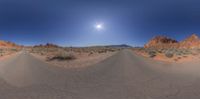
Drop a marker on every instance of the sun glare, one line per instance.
(99, 26)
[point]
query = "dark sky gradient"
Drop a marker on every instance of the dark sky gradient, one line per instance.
(71, 22)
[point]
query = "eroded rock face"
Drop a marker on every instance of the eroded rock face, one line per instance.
(161, 42)
(164, 42)
(191, 42)
(5, 44)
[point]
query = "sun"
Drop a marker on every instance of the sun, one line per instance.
(99, 26)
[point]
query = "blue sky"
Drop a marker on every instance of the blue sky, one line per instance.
(72, 22)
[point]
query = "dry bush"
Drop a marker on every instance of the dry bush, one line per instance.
(6, 51)
(91, 49)
(63, 55)
(152, 54)
(44, 51)
(169, 55)
(1, 52)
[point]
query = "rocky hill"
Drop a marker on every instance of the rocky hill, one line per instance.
(161, 42)
(6, 44)
(192, 41)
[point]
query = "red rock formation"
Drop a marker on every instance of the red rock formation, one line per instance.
(161, 42)
(5, 44)
(164, 42)
(191, 42)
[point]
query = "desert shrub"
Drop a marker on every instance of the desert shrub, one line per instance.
(179, 53)
(186, 52)
(198, 50)
(62, 55)
(169, 55)
(90, 53)
(111, 50)
(152, 54)
(42, 53)
(14, 49)
(1, 52)
(160, 51)
(179, 57)
(102, 51)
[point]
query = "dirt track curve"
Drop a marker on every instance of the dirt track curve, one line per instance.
(122, 76)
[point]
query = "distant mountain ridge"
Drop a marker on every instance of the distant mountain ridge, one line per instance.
(191, 42)
(119, 46)
(112, 46)
(47, 45)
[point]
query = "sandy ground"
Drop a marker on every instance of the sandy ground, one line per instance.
(7, 54)
(175, 58)
(82, 60)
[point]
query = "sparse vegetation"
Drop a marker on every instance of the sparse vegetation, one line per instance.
(70, 53)
(7, 51)
(72, 57)
(1, 52)
(152, 54)
(89, 50)
(63, 55)
(169, 55)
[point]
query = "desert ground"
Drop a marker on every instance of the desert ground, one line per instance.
(73, 57)
(170, 55)
(163, 48)
(7, 52)
(123, 75)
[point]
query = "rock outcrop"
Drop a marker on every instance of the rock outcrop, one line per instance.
(161, 42)
(191, 42)
(164, 42)
(6, 44)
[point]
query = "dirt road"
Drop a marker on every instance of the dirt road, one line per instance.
(122, 76)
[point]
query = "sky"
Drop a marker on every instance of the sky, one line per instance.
(74, 22)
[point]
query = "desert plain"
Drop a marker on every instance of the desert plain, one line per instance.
(163, 69)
